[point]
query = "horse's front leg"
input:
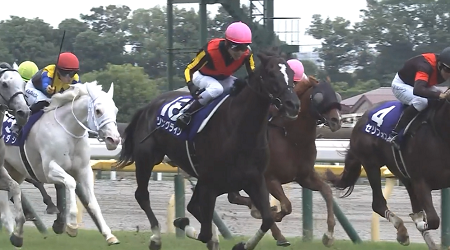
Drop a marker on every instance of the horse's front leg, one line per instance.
(8, 184)
(85, 192)
(57, 175)
(312, 181)
(257, 191)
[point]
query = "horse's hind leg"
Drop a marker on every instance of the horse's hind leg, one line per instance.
(312, 181)
(238, 199)
(146, 158)
(7, 183)
(379, 204)
(428, 221)
(51, 207)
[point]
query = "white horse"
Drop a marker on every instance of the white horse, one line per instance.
(57, 147)
(12, 98)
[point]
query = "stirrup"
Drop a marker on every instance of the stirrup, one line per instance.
(183, 120)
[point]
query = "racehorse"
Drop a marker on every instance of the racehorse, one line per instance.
(53, 147)
(293, 152)
(422, 164)
(225, 147)
(12, 99)
(51, 207)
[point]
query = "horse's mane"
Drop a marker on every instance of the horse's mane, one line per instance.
(271, 51)
(75, 91)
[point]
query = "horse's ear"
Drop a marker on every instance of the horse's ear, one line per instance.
(263, 57)
(111, 90)
(313, 80)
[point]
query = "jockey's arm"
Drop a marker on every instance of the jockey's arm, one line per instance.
(196, 64)
(421, 86)
(250, 64)
(76, 79)
(46, 81)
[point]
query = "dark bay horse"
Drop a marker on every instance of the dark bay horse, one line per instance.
(293, 152)
(422, 165)
(231, 151)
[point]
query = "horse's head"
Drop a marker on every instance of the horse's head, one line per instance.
(11, 93)
(277, 80)
(102, 114)
(325, 103)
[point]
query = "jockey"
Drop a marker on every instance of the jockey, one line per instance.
(27, 69)
(414, 85)
(44, 84)
(213, 66)
(299, 70)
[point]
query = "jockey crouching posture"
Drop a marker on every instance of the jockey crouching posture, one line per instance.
(214, 65)
(415, 83)
(50, 80)
(27, 70)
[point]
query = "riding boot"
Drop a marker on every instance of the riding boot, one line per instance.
(34, 109)
(185, 118)
(38, 106)
(408, 114)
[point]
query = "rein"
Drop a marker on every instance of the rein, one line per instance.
(103, 120)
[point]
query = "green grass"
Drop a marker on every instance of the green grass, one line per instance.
(92, 240)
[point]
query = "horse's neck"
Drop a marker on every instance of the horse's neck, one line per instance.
(250, 110)
(67, 119)
(303, 129)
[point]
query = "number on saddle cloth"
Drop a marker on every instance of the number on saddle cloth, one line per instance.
(382, 119)
(9, 137)
(169, 113)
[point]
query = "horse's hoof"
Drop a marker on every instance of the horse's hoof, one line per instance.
(181, 223)
(113, 241)
(154, 246)
(283, 243)
(213, 245)
(239, 246)
(58, 227)
(327, 240)
(72, 231)
(255, 214)
(52, 210)
(16, 240)
(403, 239)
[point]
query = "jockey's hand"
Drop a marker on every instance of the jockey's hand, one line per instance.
(50, 89)
(194, 90)
(444, 95)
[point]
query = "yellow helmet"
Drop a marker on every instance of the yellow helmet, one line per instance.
(27, 69)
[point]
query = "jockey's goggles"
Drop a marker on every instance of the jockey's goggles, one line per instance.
(445, 67)
(70, 73)
(239, 46)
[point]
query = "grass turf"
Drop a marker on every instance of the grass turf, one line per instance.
(92, 240)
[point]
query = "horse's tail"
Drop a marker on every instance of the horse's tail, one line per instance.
(348, 178)
(126, 153)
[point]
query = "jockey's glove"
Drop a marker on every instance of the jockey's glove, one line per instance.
(50, 89)
(194, 90)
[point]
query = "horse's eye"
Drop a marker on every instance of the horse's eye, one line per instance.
(5, 85)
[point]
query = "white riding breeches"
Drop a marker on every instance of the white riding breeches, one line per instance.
(213, 88)
(404, 93)
(33, 95)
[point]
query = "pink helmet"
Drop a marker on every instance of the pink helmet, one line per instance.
(297, 67)
(239, 32)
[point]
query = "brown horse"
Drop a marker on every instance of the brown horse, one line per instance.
(293, 152)
(228, 154)
(422, 164)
